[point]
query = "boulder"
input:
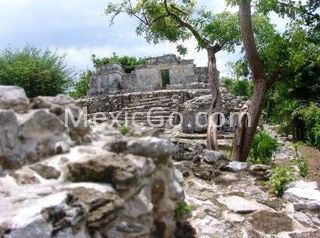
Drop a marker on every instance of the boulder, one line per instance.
(13, 97)
(39, 228)
(235, 166)
(108, 168)
(304, 195)
(240, 205)
(211, 157)
(46, 171)
(52, 102)
(40, 125)
(152, 147)
(8, 139)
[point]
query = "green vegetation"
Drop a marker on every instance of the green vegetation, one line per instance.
(38, 72)
(81, 87)
(125, 129)
(128, 63)
(262, 148)
(310, 118)
(281, 176)
(303, 166)
(241, 87)
(182, 211)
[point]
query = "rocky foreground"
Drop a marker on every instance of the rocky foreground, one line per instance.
(61, 180)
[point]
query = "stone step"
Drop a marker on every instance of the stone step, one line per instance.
(147, 108)
(154, 101)
(152, 105)
(204, 136)
(223, 144)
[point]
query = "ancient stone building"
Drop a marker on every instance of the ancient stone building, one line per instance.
(165, 72)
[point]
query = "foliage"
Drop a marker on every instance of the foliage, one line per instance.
(125, 129)
(281, 176)
(238, 87)
(39, 72)
(262, 148)
(310, 116)
(242, 88)
(177, 21)
(128, 63)
(81, 87)
(303, 166)
(283, 114)
(182, 211)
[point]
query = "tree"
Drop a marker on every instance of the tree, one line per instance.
(38, 72)
(81, 87)
(177, 21)
(269, 59)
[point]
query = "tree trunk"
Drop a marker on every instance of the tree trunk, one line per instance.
(212, 141)
(250, 116)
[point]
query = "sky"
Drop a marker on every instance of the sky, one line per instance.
(79, 28)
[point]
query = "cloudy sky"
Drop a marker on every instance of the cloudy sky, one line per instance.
(78, 28)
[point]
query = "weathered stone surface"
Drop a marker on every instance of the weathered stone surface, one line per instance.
(114, 169)
(37, 229)
(60, 100)
(240, 204)
(46, 171)
(211, 157)
(305, 195)
(13, 97)
(271, 222)
(40, 124)
(308, 234)
(152, 147)
(235, 166)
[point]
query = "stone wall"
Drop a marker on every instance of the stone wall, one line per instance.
(108, 185)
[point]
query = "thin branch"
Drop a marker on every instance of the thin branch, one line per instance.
(186, 25)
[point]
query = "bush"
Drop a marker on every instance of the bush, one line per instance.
(38, 72)
(238, 87)
(81, 87)
(281, 176)
(303, 166)
(182, 211)
(125, 129)
(128, 63)
(242, 88)
(262, 148)
(310, 116)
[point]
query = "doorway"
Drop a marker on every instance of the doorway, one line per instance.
(165, 77)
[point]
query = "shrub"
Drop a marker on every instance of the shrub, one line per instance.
(262, 148)
(281, 176)
(182, 211)
(38, 72)
(128, 63)
(311, 119)
(238, 87)
(303, 166)
(125, 129)
(242, 88)
(81, 87)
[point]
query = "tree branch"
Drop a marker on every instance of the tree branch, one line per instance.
(182, 23)
(249, 41)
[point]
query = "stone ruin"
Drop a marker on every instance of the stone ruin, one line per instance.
(165, 72)
(96, 181)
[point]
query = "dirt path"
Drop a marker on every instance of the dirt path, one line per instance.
(313, 156)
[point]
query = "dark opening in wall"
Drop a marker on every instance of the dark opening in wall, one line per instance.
(165, 76)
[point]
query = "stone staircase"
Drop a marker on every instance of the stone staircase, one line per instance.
(155, 109)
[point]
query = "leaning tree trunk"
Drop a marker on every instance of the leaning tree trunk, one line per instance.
(248, 121)
(212, 140)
